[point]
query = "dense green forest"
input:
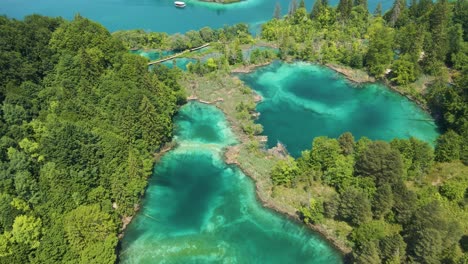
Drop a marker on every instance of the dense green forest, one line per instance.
(79, 120)
(385, 196)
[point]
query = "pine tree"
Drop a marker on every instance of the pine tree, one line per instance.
(292, 7)
(316, 9)
(378, 10)
(277, 13)
(344, 7)
(398, 7)
(362, 3)
(302, 4)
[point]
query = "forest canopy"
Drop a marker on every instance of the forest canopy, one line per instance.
(80, 118)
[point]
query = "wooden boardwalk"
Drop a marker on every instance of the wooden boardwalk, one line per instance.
(178, 54)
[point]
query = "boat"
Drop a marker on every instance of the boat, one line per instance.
(179, 4)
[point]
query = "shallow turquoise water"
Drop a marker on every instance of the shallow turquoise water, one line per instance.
(158, 15)
(197, 209)
(303, 101)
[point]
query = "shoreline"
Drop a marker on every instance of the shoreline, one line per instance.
(350, 75)
(267, 204)
(250, 68)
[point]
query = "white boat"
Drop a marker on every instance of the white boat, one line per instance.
(179, 4)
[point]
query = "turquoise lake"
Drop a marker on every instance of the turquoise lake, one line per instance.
(197, 209)
(303, 101)
(159, 15)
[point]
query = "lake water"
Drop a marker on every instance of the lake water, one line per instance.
(197, 209)
(158, 15)
(303, 101)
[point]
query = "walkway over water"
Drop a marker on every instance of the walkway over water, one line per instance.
(178, 54)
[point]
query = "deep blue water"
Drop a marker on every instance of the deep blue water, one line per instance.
(158, 15)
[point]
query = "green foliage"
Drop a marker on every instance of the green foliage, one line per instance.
(382, 202)
(454, 190)
(340, 174)
(392, 249)
(367, 253)
(284, 172)
(347, 143)
(448, 147)
(430, 232)
(417, 156)
(77, 135)
(355, 207)
(371, 231)
(390, 222)
(27, 230)
(313, 212)
(88, 225)
(381, 163)
(380, 53)
(403, 71)
(324, 153)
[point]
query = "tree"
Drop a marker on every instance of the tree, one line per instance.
(355, 207)
(316, 9)
(344, 8)
(392, 249)
(378, 10)
(404, 203)
(207, 34)
(460, 12)
(430, 232)
(340, 174)
(27, 230)
(454, 190)
(324, 152)
(347, 143)
(87, 225)
(292, 7)
(284, 172)
(367, 253)
(380, 53)
(302, 4)
(448, 147)
(6, 241)
(382, 202)
(313, 212)
(403, 71)
(362, 3)
(7, 212)
(396, 11)
(427, 246)
(151, 123)
(381, 163)
(277, 13)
